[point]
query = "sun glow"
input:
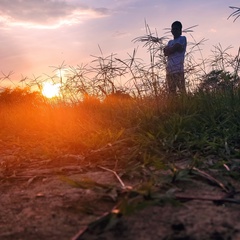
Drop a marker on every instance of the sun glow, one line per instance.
(51, 90)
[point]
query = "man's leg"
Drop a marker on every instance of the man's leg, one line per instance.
(171, 83)
(180, 81)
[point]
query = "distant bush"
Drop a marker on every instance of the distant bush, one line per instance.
(19, 95)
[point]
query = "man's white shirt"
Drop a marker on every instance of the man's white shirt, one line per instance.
(175, 61)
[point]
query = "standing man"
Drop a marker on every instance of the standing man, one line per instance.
(175, 52)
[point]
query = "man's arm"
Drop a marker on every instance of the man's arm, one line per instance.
(177, 47)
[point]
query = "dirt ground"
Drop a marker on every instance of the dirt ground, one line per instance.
(37, 203)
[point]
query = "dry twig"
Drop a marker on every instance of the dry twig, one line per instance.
(210, 178)
(117, 176)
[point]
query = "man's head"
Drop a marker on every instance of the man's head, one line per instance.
(176, 29)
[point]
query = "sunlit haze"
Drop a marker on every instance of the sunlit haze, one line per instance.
(38, 35)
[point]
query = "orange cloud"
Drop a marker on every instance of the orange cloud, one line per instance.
(46, 14)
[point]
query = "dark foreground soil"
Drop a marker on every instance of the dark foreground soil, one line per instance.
(36, 202)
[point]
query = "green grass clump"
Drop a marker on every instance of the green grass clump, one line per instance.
(203, 124)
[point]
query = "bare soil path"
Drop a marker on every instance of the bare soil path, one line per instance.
(36, 202)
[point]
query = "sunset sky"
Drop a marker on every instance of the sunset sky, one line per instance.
(38, 34)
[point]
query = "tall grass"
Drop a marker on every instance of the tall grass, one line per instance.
(204, 124)
(119, 109)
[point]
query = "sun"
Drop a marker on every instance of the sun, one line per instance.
(51, 90)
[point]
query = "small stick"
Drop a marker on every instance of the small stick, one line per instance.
(119, 179)
(211, 179)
